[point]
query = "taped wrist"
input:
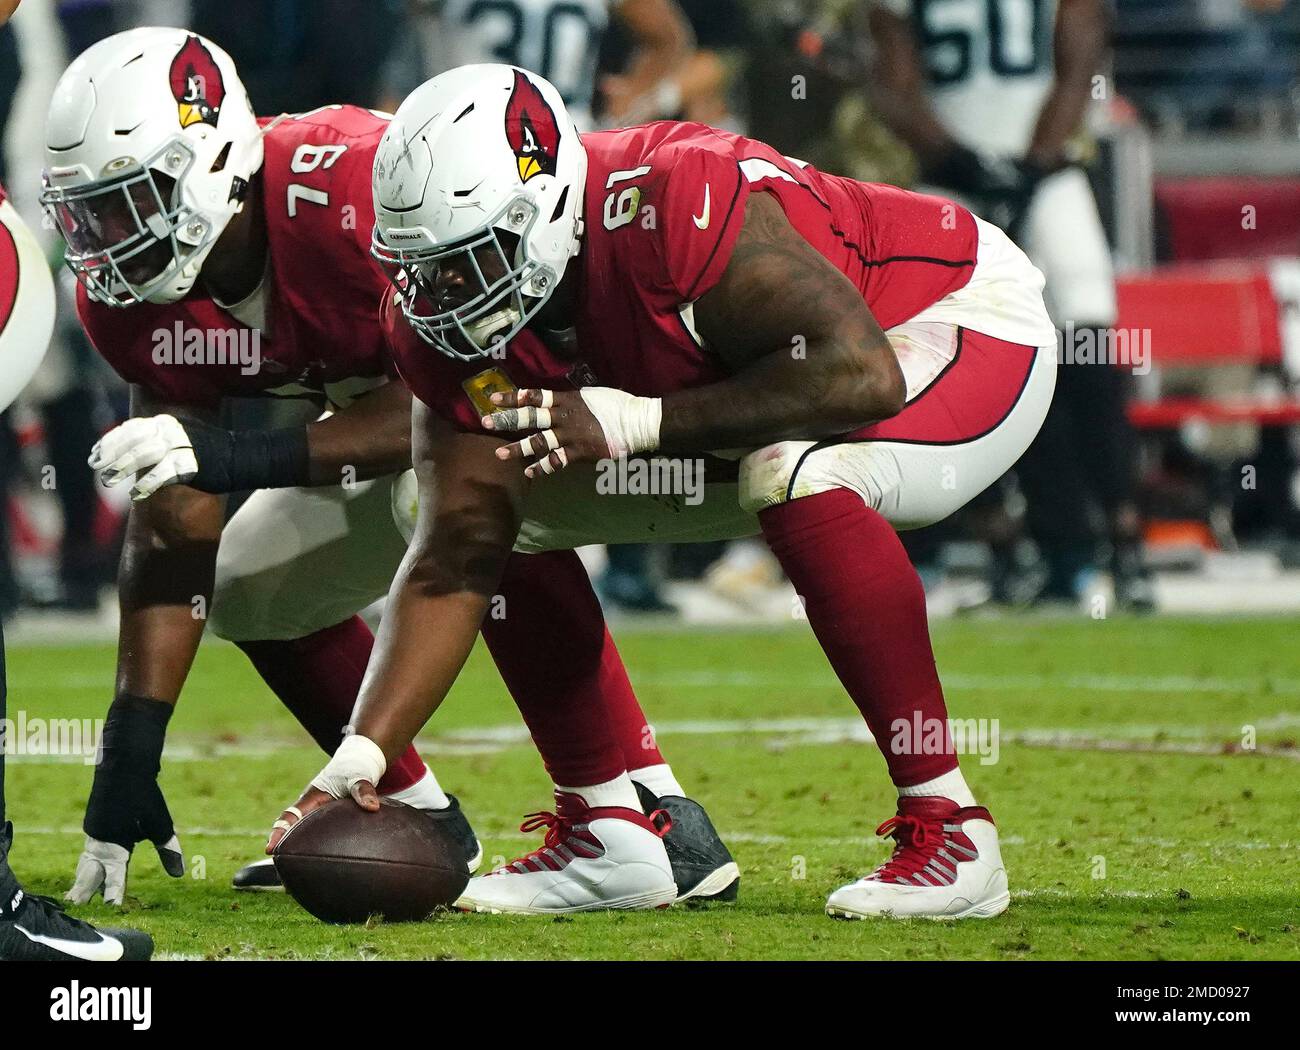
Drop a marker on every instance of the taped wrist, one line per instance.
(630, 423)
(128, 760)
(243, 460)
(358, 758)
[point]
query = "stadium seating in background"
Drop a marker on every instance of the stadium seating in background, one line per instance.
(1213, 217)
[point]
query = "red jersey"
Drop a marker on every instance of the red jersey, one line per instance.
(321, 284)
(664, 205)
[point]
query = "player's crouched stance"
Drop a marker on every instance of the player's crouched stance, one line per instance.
(205, 234)
(879, 357)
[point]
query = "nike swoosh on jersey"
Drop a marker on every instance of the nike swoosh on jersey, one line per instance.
(702, 220)
(104, 950)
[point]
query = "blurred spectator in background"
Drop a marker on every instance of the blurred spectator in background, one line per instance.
(701, 85)
(994, 111)
(296, 55)
(559, 40)
(805, 57)
(86, 21)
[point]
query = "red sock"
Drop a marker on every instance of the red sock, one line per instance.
(866, 606)
(561, 666)
(317, 678)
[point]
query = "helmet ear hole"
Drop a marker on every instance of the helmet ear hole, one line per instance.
(220, 162)
(558, 213)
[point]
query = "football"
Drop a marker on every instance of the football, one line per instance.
(344, 865)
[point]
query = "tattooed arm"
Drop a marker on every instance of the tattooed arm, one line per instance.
(470, 506)
(809, 361)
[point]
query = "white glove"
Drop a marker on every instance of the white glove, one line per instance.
(103, 865)
(630, 423)
(358, 758)
(157, 448)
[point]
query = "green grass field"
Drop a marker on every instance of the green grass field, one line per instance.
(1134, 822)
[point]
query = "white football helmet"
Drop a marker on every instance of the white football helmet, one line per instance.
(478, 186)
(150, 144)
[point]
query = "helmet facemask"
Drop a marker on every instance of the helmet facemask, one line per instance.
(503, 288)
(130, 236)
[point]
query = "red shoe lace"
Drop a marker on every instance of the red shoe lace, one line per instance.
(918, 841)
(567, 831)
(557, 827)
(558, 830)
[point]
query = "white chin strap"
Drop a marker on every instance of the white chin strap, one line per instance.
(179, 286)
(481, 332)
(174, 291)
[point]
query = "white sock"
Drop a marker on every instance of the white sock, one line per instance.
(659, 779)
(423, 794)
(951, 785)
(617, 792)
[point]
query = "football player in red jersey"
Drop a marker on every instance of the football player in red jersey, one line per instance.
(873, 357)
(221, 257)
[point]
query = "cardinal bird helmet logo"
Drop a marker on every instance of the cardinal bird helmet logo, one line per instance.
(532, 130)
(197, 84)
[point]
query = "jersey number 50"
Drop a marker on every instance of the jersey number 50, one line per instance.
(950, 33)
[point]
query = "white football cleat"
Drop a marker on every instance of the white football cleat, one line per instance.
(946, 865)
(592, 859)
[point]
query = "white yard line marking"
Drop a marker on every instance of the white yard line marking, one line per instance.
(787, 732)
(1080, 895)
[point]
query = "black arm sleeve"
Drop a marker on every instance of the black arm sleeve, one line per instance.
(244, 460)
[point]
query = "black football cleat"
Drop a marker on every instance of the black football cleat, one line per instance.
(459, 827)
(37, 929)
(261, 876)
(703, 867)
(258, 877)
